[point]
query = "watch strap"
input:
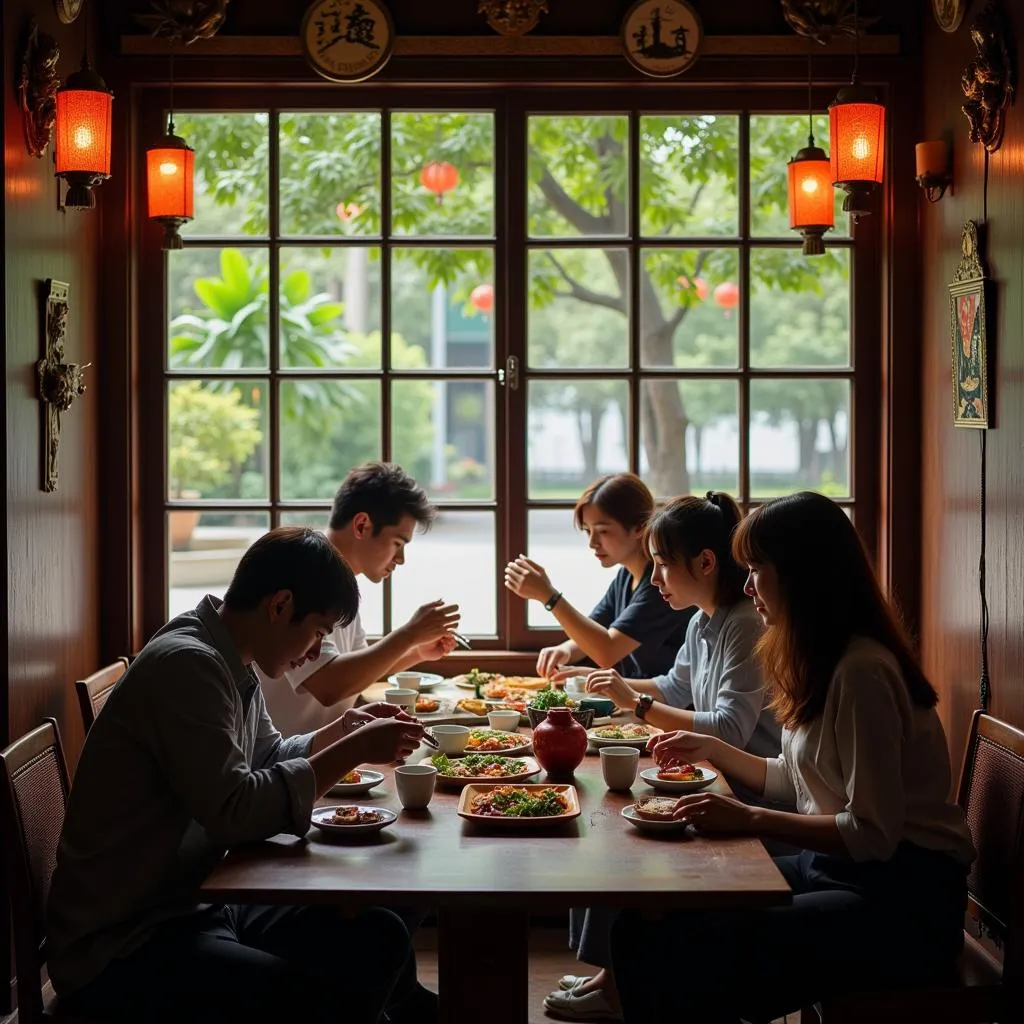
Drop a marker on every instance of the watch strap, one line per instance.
(643, 705)
(552, 600)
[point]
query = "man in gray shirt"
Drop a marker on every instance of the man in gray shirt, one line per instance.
(184, 762)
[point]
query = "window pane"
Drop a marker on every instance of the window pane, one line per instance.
(442, 308)
(454, 561)
(443, 434)
(578, 167)
(688, 307)
(231, 173)
(216, 439)
(689, 173)
(689, 436)
(217, 300)
(320, 193)
(799, 308)
(576, 431)
(330, 307)
(371, 595)
(556, 544)
(799, 437)
(327, 427)
(579, 302)
(774, 140)
(204, 549)
(442, 168)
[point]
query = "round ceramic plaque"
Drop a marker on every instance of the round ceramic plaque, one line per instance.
(68, 10)
(949, 13)
(661, 38)
(347, 40)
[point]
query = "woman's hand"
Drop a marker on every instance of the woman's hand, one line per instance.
(434, 650)
(682, 746)
(608, 683)
(528, 580)
(552, 659)
(713, 812)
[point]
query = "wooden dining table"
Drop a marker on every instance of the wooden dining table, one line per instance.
(485, 881)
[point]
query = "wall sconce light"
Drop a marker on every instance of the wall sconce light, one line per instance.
(83, 130)
(933, 171)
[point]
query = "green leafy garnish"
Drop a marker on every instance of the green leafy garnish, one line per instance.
(551, 698)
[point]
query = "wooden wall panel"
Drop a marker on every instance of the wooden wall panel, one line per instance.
(951, 472)
(53, 607)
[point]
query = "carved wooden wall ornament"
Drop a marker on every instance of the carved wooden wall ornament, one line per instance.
(989, 80)
(59, 382)
(37, 89)
(512, 17)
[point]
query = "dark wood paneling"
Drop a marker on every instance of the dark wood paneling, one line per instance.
(951, 474)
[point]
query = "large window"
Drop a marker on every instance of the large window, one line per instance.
(509, 300)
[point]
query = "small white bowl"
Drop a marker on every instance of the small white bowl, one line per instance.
(503, 721)
(422, 680)
(452, 738)
(403, 698)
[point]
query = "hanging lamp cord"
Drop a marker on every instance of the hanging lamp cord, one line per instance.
(810, 98)
(170, 117)
(856, 42)
(984, 683)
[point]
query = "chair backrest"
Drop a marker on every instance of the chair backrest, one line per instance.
(33, 800)
(94, 691)
(992, 797)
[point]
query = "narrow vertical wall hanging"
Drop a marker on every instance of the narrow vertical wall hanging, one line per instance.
(968, 328)
(60, 383)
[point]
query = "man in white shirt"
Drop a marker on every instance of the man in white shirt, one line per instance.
(377, 509)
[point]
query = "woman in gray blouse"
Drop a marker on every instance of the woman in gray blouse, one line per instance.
(714, 687)
(879, 889)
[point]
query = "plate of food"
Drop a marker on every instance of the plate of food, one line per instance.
(678, 778)
(495, 741)
(352, 819)
(428, 680)
(357, 782)
(531, 805)
(472, 706)
(654, 814)
(482, 768)
(427, 704)
(629, 734)
(468, 680)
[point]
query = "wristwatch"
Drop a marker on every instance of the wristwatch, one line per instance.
(552, 600)
(643, 705)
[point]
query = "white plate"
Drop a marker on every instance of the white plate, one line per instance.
(645, 825)
(322, 816)
(650, 776)
(522, 748)
(640, 742)
(369, 779)
(427, 682)
(445, 710)
(455, 782)
(463, 683)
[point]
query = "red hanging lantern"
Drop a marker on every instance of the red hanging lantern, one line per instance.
(439, 177)
(482, 298)
(727, 295)
(170, 182)
(700, 286)
(857, 131)
(82, 136)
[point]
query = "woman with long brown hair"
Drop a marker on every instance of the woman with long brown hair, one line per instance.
(880, 887)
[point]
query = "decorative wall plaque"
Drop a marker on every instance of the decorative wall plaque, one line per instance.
(60, 383)
(968, 330)
(949, 13)
(661, 37)
(347, 40)
(512, 17)
(988, 81)
(37, 89)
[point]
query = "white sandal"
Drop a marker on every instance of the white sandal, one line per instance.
(570, 981)
(568, 1005)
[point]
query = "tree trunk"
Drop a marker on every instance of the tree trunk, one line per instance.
(837, 456)
(588, 423)
(809, 470)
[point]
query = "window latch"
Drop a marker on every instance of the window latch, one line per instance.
(509, 376)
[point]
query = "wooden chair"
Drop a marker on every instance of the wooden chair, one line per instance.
(94, 691)
(980, 990)
(33, 799)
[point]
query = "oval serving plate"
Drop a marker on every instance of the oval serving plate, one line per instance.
(530, 769)
(512, 751)
(639, 742)
(369, 778)
(646, 825)
(322, 816)
(650, 776)
(471, 791)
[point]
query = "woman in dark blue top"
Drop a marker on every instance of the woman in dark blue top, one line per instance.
(631, 628)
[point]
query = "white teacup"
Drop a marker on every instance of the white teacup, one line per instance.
(576, 684)
(402, 697)
(452, 738)
(506, 721)
(408, 680)
(415, 785)
(619, 765)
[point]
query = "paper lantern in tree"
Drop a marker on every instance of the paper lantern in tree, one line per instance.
(482, 298)
(439, 177)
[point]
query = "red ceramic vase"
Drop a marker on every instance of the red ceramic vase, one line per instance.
(559, 742)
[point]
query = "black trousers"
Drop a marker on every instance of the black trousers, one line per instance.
(849, 925)
(255, 964)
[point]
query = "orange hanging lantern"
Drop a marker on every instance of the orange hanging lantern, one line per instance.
(170, 181)
(482, 298)
(727, 295)
(700, 286)
(857, 129)
(439, 177)
(811, 210)
(82, 135)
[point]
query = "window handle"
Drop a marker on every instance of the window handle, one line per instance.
(509, 376)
